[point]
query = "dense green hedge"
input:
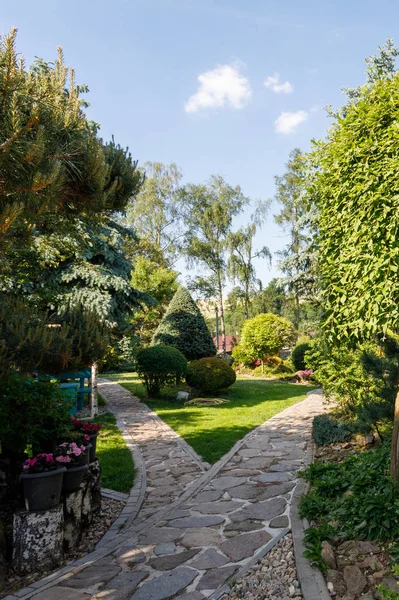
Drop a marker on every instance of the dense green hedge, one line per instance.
(159, 365)
(210, 374)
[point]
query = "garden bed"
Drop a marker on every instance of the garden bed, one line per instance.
(353, 511)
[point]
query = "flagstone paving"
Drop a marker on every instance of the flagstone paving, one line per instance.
(210, 525)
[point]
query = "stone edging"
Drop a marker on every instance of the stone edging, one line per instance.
(311, 579)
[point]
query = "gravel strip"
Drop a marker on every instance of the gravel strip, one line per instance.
(272, 577)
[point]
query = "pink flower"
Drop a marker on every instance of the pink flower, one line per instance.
(63, 459)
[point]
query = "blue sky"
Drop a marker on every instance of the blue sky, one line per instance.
(142, 59)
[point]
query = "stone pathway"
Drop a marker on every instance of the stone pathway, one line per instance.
(200, 527)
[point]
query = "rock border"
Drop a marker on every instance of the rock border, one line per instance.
(313, 585)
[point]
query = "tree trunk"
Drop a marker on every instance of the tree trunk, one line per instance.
(296, 310)
(222, 317)
(246, 300)
(395, 438)
(94, 391)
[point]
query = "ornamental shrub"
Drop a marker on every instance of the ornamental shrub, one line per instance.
(262, 337)
(160, 365)
(184, 328)
(327, 430)
(32, 413)
(298, 356)
(210, 374)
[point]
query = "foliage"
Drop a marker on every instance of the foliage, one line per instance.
(161, 284)
(361, 380)
(209, 211)
(31, 340)
(313, 538)
(296, 259)
(240, 264)
(159, 365)
(32, 413)
(298, 355)
(357, 495)
(184, 328)
(155, 213)
(327, 430)
(262, 337)
(210, 374)
(51, 159)
(354, 190)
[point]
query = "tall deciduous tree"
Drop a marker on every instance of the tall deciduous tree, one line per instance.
(295, 258)
(156, 214)
(241, 260)
(210, 209)
(355, 190)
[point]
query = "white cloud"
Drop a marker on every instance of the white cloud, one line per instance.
(224, 86)
(288, 122)
(273, 82)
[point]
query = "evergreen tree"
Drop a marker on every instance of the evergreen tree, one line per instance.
(184, 327)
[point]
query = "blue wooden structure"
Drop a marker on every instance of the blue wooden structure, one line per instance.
(75, 390)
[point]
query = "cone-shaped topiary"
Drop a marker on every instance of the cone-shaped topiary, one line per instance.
(184, 328)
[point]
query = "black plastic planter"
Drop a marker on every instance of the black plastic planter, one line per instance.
(73, 478)
(93, 441)
(83, 459)
(42, 490)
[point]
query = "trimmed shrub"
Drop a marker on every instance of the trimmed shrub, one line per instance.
(262, 338)
(160, 365)
(184, 328)
(298, 356)
(327, 430)
(210, 374)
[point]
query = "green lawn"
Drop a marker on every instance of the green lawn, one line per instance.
(117, 468)
(213, 430)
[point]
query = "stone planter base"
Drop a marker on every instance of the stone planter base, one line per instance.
(38, 540)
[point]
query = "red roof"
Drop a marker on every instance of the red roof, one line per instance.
(231, 341)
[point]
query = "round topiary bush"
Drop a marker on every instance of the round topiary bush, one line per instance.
(210, 374)
(160, 365)
(298, 355)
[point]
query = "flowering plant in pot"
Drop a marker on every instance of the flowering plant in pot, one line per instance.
(70, 454)
(90, 429)
(42, 479)
(82, 440)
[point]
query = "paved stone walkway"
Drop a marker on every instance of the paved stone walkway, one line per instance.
(200, 527)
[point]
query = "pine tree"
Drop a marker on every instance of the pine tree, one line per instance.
(184, 327)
